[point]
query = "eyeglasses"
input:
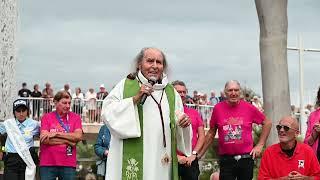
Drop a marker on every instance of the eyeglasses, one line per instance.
(286, 128)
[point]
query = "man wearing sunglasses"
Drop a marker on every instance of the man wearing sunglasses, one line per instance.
(289, 159)
(233, 118)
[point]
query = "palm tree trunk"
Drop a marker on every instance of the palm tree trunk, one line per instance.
(273, 56)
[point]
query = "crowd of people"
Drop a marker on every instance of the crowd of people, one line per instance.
(150, 133)
(91, 100)
(89, 104)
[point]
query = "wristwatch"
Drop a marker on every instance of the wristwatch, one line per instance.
(195, 153)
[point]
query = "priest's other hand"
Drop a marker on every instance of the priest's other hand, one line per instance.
(184, 120)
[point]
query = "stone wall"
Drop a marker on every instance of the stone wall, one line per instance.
(8, 56)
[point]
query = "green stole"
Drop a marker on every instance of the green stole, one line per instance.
(132, 160)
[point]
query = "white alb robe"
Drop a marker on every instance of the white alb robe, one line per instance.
(121, 117)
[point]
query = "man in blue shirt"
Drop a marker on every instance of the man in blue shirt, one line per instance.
(14, 165)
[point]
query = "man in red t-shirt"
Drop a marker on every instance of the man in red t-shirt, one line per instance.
(289, 159)
(188, 166)
(233, 118)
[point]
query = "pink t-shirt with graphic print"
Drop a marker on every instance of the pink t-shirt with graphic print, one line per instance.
(56, 155)
(235, 126)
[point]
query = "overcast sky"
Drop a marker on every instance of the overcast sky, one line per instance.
(86, 43)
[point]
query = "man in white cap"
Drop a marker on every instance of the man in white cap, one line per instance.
(102, 93)
(100, 96)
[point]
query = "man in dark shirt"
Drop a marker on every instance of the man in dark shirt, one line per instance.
(24, 92)
(36, 92)
(222, 96)
(196, 97)
(36, 102)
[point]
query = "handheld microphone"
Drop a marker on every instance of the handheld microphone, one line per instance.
(144, 96)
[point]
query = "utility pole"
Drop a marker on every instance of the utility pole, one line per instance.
(8, 56)
(301, 50)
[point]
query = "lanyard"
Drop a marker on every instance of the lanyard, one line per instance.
(65, 127)
(161, 116)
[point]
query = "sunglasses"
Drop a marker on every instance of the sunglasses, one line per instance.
(286, 128)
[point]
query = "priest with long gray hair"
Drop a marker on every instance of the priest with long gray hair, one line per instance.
(145, 116)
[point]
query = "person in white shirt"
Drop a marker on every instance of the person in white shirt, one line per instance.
(91, 100)
(77, 101)
(145, 135)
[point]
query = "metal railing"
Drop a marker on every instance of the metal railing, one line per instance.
(90, 110)
(205, 112)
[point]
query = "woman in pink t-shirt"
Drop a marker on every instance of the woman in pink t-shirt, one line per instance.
(60, 131)
(313, 130)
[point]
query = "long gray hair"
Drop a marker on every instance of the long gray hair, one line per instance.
(138, 59)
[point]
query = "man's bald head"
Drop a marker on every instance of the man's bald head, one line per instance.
(288, 130)
(291, 121)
